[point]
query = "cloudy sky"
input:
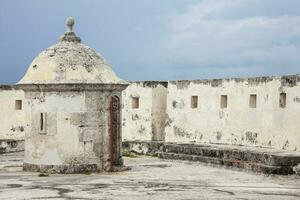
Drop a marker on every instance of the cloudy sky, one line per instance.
(159, 39)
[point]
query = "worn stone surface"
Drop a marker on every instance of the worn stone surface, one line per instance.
(150, 178)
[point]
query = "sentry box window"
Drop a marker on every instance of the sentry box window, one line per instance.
(42, 123)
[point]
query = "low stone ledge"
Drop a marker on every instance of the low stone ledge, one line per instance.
(261, 155)
(250, 166)
(61, 169)
(265, 160)
(9, 146)
(142, 147)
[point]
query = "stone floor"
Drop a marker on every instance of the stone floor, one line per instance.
(150, 178)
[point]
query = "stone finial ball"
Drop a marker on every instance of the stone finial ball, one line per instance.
(70, 22)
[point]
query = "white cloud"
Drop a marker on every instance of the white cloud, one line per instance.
(203, 37)
(200, 11)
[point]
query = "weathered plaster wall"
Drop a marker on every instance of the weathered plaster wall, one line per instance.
(62, 112)
(76, 131)
(136, 122)
(266, 125)
(12, 121)
(146, 122)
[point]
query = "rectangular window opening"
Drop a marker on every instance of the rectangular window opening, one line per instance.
(194, 101)
(223, 101)
(252, 101)
(135, 102)
(282, 100)
(18, 105)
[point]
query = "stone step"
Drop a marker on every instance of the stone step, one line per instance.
(257, 159)
(251, 154)
(247, 165)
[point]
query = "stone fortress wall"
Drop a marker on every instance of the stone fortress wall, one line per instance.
(11, 113)
(144, 111)
(12, 129)
(263, 111)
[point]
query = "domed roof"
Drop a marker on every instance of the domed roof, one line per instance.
(69, 61)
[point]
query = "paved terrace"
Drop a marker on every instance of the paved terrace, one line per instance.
(150, 178)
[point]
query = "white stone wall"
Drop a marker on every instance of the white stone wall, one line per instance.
(136, 122)
(266, 125)
(12, 121)
(148, 121)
